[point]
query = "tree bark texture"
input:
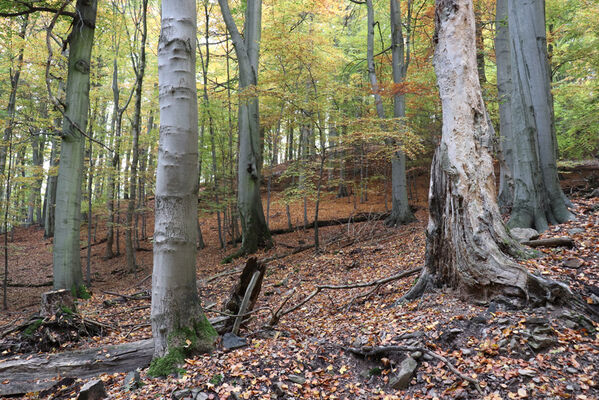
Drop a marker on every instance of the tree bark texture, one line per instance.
(175, 301)
(140, 71)
(255, 232)
(538, 198)
(467, 246)
(400, 209)
(504, 89)
(12, 100)
(67, 263)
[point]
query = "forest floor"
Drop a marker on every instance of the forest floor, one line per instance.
(543, 353)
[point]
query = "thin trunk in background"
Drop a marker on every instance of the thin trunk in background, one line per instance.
(140, 70)
(15, 76)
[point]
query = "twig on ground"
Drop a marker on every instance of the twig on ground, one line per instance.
(275, 319)
(143, 280)
(134, 296)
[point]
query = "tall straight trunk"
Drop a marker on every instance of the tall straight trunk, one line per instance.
(378, 101)
(400, 209)
(205, 65)
(467, 245)
(50, 198)
(303, 155)
(289, 155)
(538, 198)
(67, 263)
(255, 233)
(176, 311)
(37, 158)
(232, 209)
(114, 172)
(12, 100)
(141, 198)
(504, 89)
(342, 189)
(90, 177)
(480, 43)
(140, 71)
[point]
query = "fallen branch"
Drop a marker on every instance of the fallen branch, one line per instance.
(143, 280)
(31, 285)
(277, 316)
(134, 296)
(95, 243)
(363, 217)
(551, 242)
(368, 351)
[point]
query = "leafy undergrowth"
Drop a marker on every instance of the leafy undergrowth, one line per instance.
(539, 354)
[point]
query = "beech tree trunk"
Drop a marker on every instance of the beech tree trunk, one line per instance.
(467, 245)
(140, 70)
(504, 89)
(400, 209)
(12, 100)
(538, 198)
(50, 197)
(255, 232)
(175, 302)
(67, 263)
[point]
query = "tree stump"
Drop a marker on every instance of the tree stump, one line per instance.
(233, 305)
(56, 300)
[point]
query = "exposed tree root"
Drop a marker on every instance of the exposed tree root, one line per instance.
(369, 351)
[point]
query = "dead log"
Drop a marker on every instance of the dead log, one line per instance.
(31, 285)
(362, 217)
(19, 376)
(551, 242)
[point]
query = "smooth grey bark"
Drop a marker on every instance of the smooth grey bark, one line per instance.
(205, 61)
(504, 89)
(468, 247)
(140, 70)
(175, 302)
(67, 263)
(255, 232)
(50, 197)
(378, 101)
(115, 125)
(538, 198)
(37, 159)
(400, 209)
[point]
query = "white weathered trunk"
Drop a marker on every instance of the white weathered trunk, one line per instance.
(67, 263)
(175, 302)
(467, 243)
(538, 198)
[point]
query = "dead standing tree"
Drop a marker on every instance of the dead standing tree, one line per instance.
(467, 245)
